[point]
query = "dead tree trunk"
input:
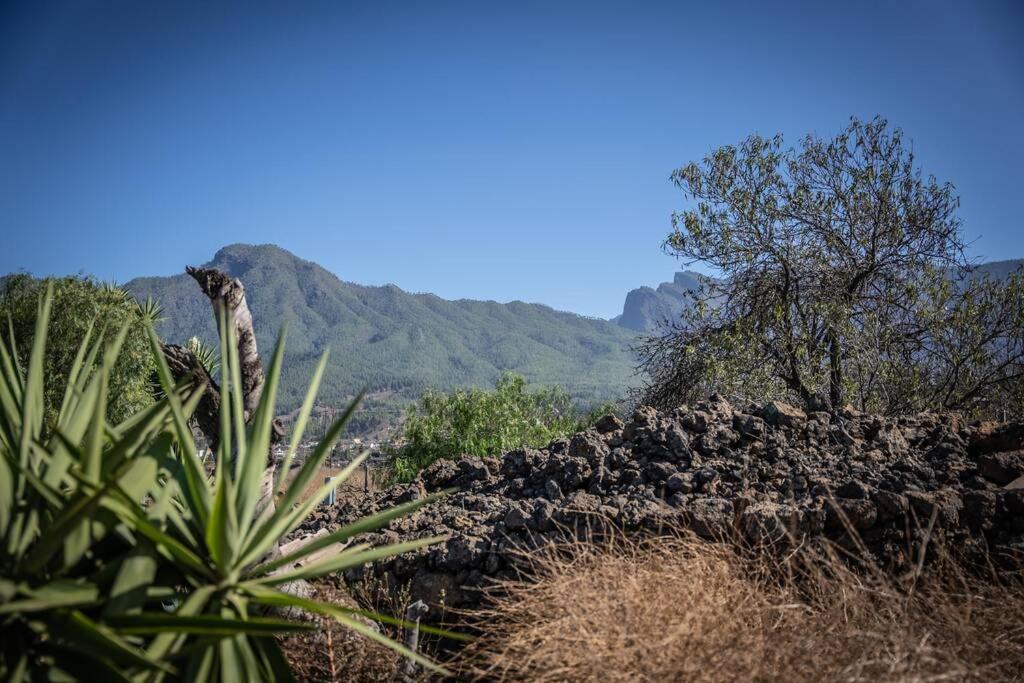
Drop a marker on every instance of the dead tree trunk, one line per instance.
(227, 295)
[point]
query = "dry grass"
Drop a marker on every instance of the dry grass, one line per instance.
(335, 654)
(684, 610)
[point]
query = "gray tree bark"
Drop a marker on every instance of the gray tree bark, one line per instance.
(229, 295)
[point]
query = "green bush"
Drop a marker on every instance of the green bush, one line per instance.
(121, 559)
(483, 423)
(82, 306)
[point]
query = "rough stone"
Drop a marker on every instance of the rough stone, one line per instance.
(757, 475)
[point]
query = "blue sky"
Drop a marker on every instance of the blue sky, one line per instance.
(481, 150)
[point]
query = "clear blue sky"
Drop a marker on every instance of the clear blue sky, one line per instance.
(515, 151)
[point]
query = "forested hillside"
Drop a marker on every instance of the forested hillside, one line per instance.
(384, 338)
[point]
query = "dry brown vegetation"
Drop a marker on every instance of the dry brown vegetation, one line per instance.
(333, 653)
(685, 610)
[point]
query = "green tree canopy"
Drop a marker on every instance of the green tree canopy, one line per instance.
(843, 279)
(83, 307)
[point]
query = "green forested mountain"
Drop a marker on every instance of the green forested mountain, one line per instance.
(384, 338)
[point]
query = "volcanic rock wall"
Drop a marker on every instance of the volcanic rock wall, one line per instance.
(763, 474)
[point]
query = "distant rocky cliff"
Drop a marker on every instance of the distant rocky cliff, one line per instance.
(647, 309)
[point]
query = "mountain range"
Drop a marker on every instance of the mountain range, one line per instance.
(394, 342)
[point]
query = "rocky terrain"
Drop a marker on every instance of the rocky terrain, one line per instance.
(757, 475)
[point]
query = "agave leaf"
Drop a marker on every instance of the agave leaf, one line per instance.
(130, 440)
(49, 495)
(75, 412)
(346, 532)
(56, 594)
(77, 539)
(75, 375)
(237, 400)
(76, 665)
(394, 621)
(299, 428)
(129, 513)
(140, 476)
(351, 557)
(251, 668)
(169, 642)
(221, 527)
(262, 536)
(276, 598)
(195, 490)
(10, 397)
(85, 635)
(274, 660)
(64, 445)
(311, 466)
(186, 397)
(76, 514)
(178, 519)
(32, 401)
(9, 360)
(201, 668)
(210, 625)
(7, 485)
(95, 436)
(286, 517)
(25, 523)
(230, 662)
(129, 591)
(254, 462)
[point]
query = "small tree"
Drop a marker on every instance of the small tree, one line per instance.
(843, 279)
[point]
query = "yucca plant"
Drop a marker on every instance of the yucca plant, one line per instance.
(122, 559)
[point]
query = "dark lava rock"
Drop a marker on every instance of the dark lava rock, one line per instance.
(760, 476)
(1002, 468)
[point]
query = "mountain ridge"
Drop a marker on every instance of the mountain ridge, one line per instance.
(392, 340)
(388, 340)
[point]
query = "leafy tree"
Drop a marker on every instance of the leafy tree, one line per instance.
(482, 423)
(843, 280)
(84, 308)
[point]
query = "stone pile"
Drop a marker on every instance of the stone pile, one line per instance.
(758, 475)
